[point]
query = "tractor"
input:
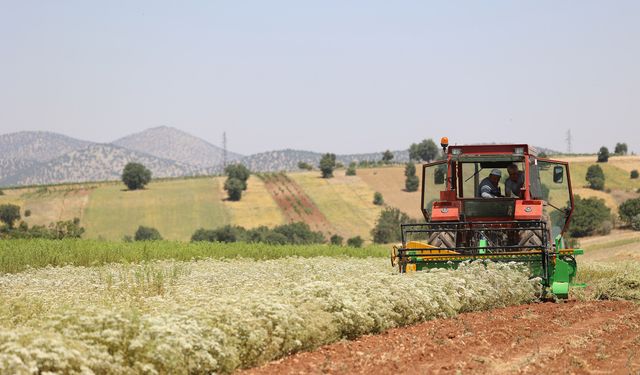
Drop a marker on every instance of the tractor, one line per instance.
(462, 224)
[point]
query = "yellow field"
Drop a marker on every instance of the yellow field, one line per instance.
(48, 206)
(256, 207)
(390, 183)
(346, 201)
(176, 208)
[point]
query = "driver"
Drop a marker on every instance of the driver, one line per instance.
(513, 184)
(489, 188)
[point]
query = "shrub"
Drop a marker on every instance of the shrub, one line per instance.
(629, 209)
(135, 176)
(68, 229)
(9, 214)
(634, 174)
(305, 166)
(1, 192)
(336, 240)
(588, 217)
(603, 155)
(234, 188)
(378, 200)
(595, 177)
(351, 171)
(356, 241)
(147, 234)
(387, 227)
(299, 234)
(327, 165)
(426, 150)
(635, 222)
(620, 149)
(27, 213)
(412, 182)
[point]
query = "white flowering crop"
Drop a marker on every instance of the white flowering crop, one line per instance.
(216, 316)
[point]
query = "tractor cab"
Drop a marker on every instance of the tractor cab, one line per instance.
(523, 220)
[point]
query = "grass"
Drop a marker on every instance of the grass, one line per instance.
(620, 280)
(346, 202)
(18, 255)
(615, 177)
(256, 207)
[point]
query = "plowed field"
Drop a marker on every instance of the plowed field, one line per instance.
(550, 338)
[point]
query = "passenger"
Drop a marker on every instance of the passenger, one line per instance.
(513, 184)
(489, 188)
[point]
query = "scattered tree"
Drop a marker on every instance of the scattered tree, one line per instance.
(620, 149)
(629, 209)
(336, 240)
(9, 214)
(412, 182)
(387, 156)
(378, 200)
(635, 222)
(603, 155)
(634, 174)
(327, 165)
(387, 227)
(305, 166)
(27, 213)
(135, 176)
(595, 177)
(426, 150)
(1, 192)
(147, 234)
(239, 172)
(351, 171)
(588, 216)
(356, 241)
(234, 188)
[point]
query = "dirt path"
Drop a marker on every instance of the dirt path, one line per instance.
(566, 338)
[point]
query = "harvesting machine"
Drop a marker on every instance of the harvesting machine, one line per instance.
(461, 225)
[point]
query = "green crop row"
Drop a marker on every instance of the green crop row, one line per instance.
(18, 255)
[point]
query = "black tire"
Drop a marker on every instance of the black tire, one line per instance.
(443, 239)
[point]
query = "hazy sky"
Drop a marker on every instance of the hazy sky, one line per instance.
(340, 76)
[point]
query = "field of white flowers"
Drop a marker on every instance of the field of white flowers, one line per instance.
(216, 316)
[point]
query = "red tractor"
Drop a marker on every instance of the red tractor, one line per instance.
(524, 224)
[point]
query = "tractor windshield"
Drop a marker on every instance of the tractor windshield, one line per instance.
(550, 182)
(474, 172)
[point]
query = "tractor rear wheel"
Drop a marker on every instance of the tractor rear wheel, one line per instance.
(535, 237)
(443, 239)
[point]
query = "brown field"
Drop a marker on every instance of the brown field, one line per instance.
(294, 203)
(390, 183)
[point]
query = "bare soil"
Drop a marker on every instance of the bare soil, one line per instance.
(295, 204)
(549, 338)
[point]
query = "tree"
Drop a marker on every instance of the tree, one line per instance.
(378, 200)
(426, 150)
(542, 155)
(299, 234)
(234, 188)
(634, 174)
(1, 192)
(603, 155)
(327, 165)
(412, 182)
(629, 209)
(9, 214)
(135, 176)
(588, 216)
(147, 234)
(620, 149)
(387, 156)
(387, 227)
(356, 241)
(351, 171)
(305, 166)
(595, 177)
(239, 172)
(336, 240)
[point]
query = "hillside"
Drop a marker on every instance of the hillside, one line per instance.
(172, 144)
(12, 166)
(97, 162)
(287, 160)
(37, 146)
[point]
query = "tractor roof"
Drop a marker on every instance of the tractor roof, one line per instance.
(513, 149)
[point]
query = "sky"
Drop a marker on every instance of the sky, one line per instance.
(326, 76)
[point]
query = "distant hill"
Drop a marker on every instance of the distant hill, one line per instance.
(96, 162)
(287, 160)
(173, 144)
(9, 167)
(37, 146)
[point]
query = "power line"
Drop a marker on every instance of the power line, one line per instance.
(224, 149)
(568, 140)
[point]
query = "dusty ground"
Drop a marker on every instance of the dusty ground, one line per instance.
(565, 338)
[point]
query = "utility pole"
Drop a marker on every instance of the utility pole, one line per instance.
(568, 139)
(224, 149)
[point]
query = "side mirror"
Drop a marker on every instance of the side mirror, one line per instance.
(558, 174)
